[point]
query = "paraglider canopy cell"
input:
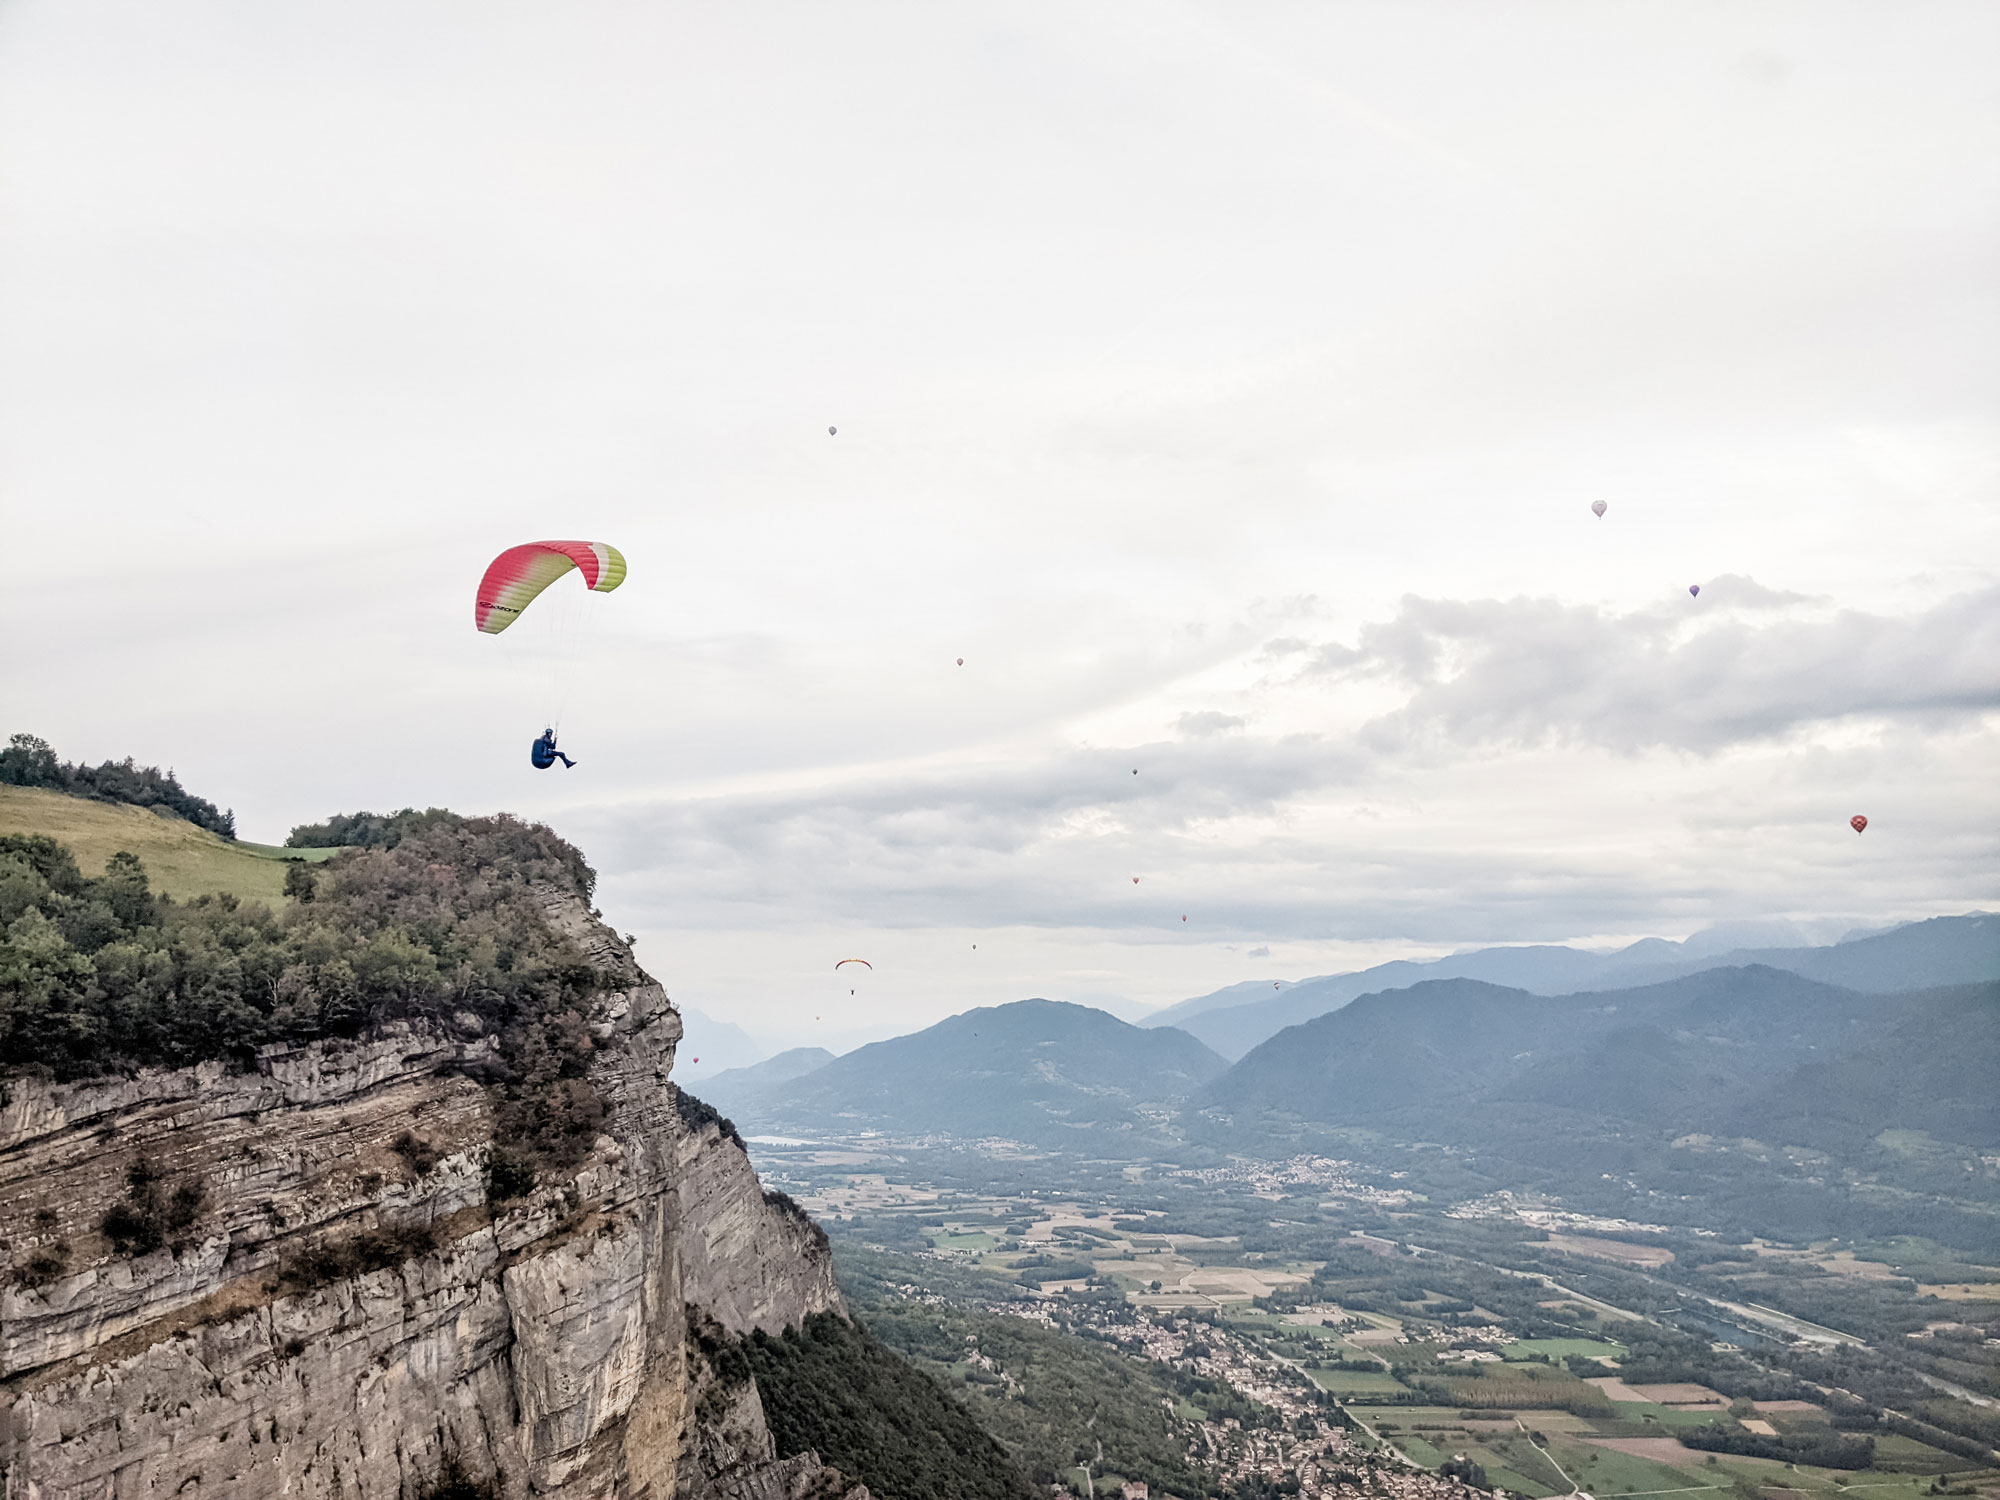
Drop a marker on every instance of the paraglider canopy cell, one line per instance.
(1858, 823)
(1598, 508)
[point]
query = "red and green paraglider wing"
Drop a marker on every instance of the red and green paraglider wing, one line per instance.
(516, 576)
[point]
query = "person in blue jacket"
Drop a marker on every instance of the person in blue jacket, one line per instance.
(544, 754)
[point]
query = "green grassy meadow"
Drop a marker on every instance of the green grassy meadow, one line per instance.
(181, 860)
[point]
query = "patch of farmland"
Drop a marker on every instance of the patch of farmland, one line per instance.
(1614, 1388)
(1623, 1251)
(1682, 1394)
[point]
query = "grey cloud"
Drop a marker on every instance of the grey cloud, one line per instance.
(1688, 676)
(1207, 722)
(1052, 840)
(1028, 842)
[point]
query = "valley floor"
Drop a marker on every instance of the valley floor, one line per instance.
(1312, 1327)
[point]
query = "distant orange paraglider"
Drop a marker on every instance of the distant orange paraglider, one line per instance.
(1858, 823)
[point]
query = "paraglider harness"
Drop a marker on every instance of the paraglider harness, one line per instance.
(544, 753)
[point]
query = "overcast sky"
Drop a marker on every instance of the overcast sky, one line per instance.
(1228, 386)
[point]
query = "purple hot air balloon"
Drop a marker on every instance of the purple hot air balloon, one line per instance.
(1598, 508)
(1694, 589)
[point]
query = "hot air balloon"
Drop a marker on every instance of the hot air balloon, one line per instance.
(961, 661)
(1694, 590)
(831, 431)
(1135, 880)
(1858, 823)
(1598, 508)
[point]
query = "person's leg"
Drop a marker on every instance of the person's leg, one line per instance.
(567, 762)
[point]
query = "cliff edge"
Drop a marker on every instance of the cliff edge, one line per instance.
(309, 1271)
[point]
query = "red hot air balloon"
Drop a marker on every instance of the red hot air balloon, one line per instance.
(1598, 508)
(1135, 880)
(1858, 823)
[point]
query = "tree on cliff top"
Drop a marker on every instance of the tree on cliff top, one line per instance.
(29, 761)
(100, 972)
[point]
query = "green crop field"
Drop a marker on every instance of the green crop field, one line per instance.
(181, 860)
(1356, 1382)
(1558, 1348)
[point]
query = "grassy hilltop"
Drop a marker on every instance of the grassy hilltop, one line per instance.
(181, 860)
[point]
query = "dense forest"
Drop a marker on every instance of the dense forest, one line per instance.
(367, 830)
(831, 1387)
(99, 973)
(28, 761)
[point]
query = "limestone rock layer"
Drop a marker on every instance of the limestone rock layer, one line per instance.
(547, 1346)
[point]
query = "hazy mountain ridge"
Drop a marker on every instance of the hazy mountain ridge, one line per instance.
(738, 1090)
(1042, 1071)
(1915, 955)
(1689, 1100)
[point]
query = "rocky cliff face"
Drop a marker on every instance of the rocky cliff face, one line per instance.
(337, 1311)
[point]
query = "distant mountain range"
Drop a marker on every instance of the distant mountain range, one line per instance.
(710, 1048)
(738, 1090)
(1917, 955)
(1750, 1095)
(1741, 1052)
(1038, 1071)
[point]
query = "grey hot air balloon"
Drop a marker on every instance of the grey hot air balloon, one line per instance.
(1598, 507)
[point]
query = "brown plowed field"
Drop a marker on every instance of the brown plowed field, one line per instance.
(1679, 1395)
